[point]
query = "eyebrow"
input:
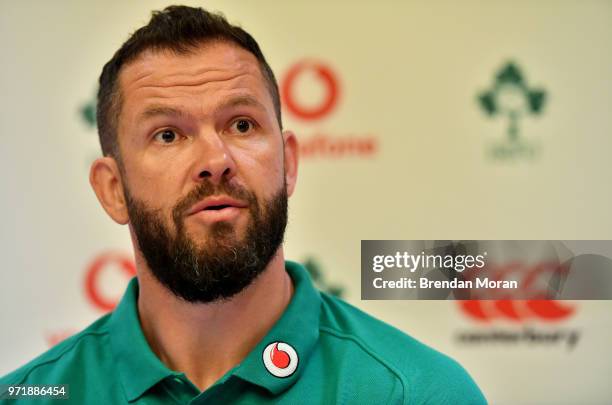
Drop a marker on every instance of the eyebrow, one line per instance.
(157, 110)
(241, 100)
(161, 110)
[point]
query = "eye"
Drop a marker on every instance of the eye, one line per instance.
(242, 125)
(166, 136)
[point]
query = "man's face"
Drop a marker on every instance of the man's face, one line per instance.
(203, 168)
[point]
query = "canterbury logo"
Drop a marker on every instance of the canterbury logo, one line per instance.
(517, 310)
(534, 282)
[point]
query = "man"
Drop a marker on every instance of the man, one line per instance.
(196, 163)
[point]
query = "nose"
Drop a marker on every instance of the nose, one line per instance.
(214, 160)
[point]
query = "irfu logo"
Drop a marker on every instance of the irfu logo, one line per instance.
(511, 98)
(318, 277)
(87, 116)
(88, 113)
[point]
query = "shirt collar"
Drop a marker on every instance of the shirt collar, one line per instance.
(140, 369)
(297, 327)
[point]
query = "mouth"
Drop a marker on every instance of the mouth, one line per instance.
(216, 205)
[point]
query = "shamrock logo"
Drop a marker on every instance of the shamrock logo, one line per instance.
(510, 96)
(316, 273)
(88, 113)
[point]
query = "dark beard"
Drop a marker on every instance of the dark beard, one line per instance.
(224, 265)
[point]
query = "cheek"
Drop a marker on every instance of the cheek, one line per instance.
(261, 167)
(156, 185)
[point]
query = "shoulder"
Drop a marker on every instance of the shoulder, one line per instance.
(58, 362)
(426, 375)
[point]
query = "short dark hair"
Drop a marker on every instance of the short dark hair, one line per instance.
(179, 29)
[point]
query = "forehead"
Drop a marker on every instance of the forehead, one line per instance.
(207, 73)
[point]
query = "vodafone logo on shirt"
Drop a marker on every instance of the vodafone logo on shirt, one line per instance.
(280, 359)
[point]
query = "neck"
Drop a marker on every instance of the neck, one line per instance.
(204, 341)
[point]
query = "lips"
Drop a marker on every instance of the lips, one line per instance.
(216, 204)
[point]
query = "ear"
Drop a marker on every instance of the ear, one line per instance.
(291, 160)
(105, 179)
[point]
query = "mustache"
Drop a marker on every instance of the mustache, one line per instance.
(206, 189)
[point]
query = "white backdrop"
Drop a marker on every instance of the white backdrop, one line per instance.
(404, 152)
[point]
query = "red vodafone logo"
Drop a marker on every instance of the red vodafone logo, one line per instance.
(103, 263)
(311, 90)
(104, 268)
(326, 78)
(280, 359)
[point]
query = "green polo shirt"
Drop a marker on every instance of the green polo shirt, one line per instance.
(337, 355)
